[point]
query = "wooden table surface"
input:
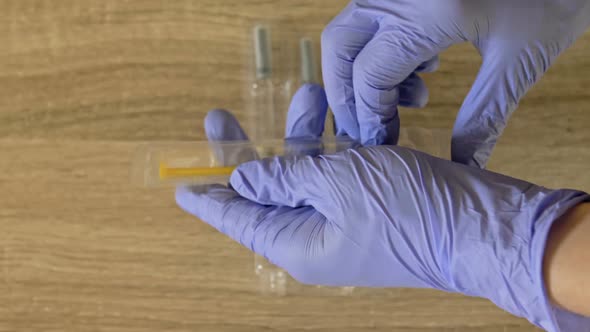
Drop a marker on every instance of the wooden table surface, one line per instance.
(83, 81)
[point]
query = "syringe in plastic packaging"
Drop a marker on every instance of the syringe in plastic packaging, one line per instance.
(203, 163)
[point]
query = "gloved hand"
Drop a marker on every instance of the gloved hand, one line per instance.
(372, 52)
(389, 217)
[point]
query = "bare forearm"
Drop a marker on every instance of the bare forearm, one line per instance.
(567, 261)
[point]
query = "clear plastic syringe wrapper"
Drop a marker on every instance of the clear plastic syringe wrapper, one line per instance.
(204, 163)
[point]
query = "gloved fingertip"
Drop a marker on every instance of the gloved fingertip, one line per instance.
(429, 66)
(313, 88)
(217, 116)
(422, 101)
(318, 95)
(307, 114)
(414, 101)
(386, 133)
(413, 92)
(221, 125)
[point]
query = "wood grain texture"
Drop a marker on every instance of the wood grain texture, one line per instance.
(82, 81)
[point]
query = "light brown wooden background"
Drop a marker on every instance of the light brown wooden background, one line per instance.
(82, 81)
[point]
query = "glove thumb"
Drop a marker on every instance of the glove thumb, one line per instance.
(285, 181)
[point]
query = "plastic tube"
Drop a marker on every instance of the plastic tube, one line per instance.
(308, 61)
(203, 163)
(262, 91)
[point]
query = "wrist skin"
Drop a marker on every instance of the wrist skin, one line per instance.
(566, 263)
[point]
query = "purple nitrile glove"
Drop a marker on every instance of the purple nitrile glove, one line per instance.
(373, 50)
(393, 217)
(389, 217)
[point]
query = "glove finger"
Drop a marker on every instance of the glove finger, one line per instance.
(306, 120)
(294, 181)
(379, 69)
(221, 126)
(429, 66)
(413, 92)
(280, 234)
(504, 78)
(307, 114)
(342, 41)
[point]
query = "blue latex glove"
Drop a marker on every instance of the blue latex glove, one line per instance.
(389, 217)
(372, 52)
